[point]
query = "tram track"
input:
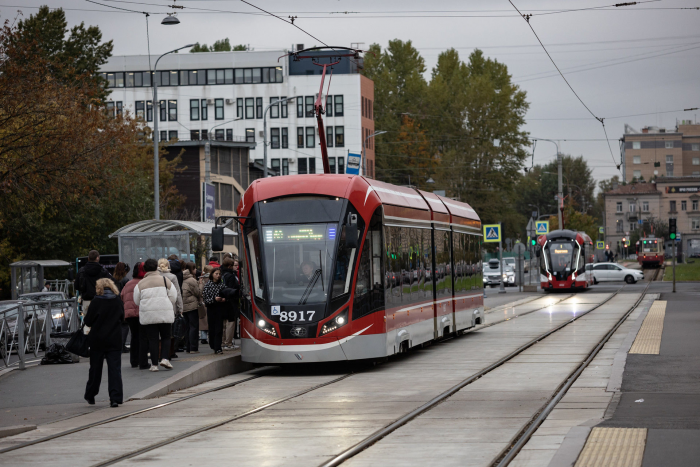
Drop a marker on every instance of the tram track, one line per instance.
(509, 453)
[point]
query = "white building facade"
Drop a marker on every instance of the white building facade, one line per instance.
(223, 95)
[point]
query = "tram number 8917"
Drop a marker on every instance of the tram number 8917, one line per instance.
(296, 316)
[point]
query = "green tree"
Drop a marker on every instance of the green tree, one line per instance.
(70, 56)
(222, 45)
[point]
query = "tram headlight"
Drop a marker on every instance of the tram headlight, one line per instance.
(266, 327)
(339, 321)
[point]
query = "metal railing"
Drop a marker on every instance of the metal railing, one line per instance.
(64, 286)
(23, 327)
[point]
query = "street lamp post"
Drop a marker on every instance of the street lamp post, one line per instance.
(156, 181)
(560, 194)
(364, 146)
(265, 130)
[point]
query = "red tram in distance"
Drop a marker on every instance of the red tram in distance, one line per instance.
(650, 252)
(564, 256)
(343, 267)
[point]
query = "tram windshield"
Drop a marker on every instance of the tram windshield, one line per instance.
(561, 256)
(298, 262)
(650, 246)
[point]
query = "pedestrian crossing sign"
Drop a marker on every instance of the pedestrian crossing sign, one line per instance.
(600, 245)
(542, 227)
(492, 233)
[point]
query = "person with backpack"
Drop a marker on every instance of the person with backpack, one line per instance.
(156, 297)
(105, 316)
(87, 279)
(231, 291)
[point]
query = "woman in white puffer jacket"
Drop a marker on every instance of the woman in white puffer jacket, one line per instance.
(155, 296)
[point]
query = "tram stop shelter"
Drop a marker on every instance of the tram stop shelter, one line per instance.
(162, 238)
(28, 276)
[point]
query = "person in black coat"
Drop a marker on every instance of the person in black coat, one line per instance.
(176, 269)
(232, 286)
(105, 317)
(87, 279)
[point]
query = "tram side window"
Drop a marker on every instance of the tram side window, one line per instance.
(344, 261)
(461, 273)
(369, 291)
(479, 276)
(442, 271)
(425, 288)
(393, 269)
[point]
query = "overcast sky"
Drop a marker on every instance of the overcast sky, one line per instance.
(653, 81)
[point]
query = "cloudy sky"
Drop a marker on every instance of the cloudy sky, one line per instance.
(642, 59)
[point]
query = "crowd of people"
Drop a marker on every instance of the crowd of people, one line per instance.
(160, 293)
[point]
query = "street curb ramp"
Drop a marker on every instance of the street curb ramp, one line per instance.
(202, 372)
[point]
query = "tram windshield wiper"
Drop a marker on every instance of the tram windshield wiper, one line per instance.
(310, 287)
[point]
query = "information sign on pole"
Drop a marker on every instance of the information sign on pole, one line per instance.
(492, 233)
(353, 164)
(601, 230)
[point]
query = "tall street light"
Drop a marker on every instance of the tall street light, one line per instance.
(156, 181)
(364, 148)
(265, 130)
(560, 195)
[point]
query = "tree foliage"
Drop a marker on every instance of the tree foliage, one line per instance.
(222, 45)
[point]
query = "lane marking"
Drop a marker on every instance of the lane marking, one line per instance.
(648, 341)
(613, 447)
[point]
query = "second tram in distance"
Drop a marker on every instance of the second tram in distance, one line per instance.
(650, 252)
(563, 257)
(342, 267)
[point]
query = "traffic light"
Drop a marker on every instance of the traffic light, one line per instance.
(624, 241)
(672, 229)
(533, 242)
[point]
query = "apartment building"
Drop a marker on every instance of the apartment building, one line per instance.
(657, 152)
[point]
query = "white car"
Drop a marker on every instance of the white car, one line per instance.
(609, 272)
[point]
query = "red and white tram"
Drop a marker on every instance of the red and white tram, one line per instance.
(342, 267)
(564, 254)
(650, 252)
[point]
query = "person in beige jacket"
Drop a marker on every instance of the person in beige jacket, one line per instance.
(191, 297)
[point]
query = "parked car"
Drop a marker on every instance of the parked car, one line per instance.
(609, 272)
(493, 275)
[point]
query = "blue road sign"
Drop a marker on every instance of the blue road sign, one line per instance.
(542, 227)
(492, 233)
(353, 164)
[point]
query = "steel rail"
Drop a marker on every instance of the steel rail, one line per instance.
(210, 426)
(523, 436)
(398, 423)
(123, 416)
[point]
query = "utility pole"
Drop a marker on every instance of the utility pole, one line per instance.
(502, 288)
(560, 195)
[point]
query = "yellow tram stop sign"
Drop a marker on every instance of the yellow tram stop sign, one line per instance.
(600, 245)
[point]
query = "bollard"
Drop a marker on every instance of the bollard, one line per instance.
(20, 336)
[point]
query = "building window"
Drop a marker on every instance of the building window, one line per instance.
(163, 111)
(239, 107)
(275, 109)
(219, 134)
(695, 224)
(283, 106)
(140, 109)
(184, 81)
(172, 134)
(341, 165)
(312, 165)
(329, 106)
(204, 114)
(194, 109)
(633, 226)
(637, 160)
(275, 138)
(331, 164)
(285, 166)
(637, 174)
(205, 134)
(684, 205)
(302, 166)
(300, 107)
(309, 106)
(695, 205)
(695, 147)
(672, 206)
(120, 107)
(275, 165)
(249, 108)
(229, 134)
(259, 107)
(149, 111)
(636, 145)
(329, 137)
(194, 135)
(340, 137)
(310, 137)
(211, 76)
(163, 135)
(257, 75)
(300, 137)
(371, 110)
(633, 207)
(669, 159)
(619, 226)
(218, 109)
(172, 110)
(619, 206)
(119, 79)
(338, 106)
(696, 160)
(250, 135)
(669, 144)
(645, 206)
(285, 138)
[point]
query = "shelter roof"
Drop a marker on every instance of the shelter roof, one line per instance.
(47, 263)
(152, 225)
